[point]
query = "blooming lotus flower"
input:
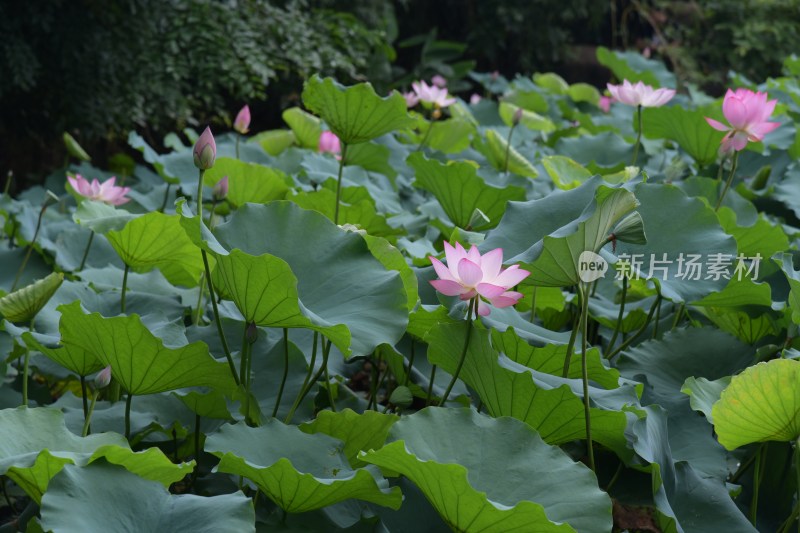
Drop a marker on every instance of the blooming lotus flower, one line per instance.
(411, 99)
(104, 192)
(468, 274)
(747, 112)
(329, 142)
(439, 81)
(640, 94)
(205, 150)
(605, 103)
(242, 121)
(431, 94)
(220, 190)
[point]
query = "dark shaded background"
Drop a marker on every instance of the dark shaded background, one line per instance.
(99, 68)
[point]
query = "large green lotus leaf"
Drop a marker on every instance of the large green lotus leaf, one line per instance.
(359, 432)
(529, 119)
(565, 173)
(704, 393)
(208, 405)
(583, 92)
(695, 233)
(634, 67)
(787, 261)
(761, 238)
(306, 127)
(338, 279)
(72, 358)
(101, 217)
(460, 190)
(392, 259)
(496, 149)
(603, 153)
(687, 127)
(248, 182)
(738, 293)
(537, 218)
(42, 445)
(449, 136)
(745, 324)
(557, 264)
(156, 240)
(23, 304)
(454, 456)
(274, 142)
(139, 360)
(356, 207)
(511, 389)
(355, 114)
(264, 290)
(104, 497)
(371, 156)
(298, 471)
(761, 404)
(550, 359)
(551, 81)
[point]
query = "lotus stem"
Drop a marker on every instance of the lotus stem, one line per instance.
(430, 386)
(583, 290)
(636, 335)
(197, 438)
(285, 371)
(339, 184)
(166, 197)
(303, 392)
(730, 180)
(508, 148)
(84, 398)
(473, 304)
(678, 316)
(638, 136)
(571, 343)
(86, 252)
(757, 475)
(325, 352)
(410, 364)
(200, 173)
(533, 305)
(618, 326)
(237, 147)
(124, 289)
(425, 138)
(30, 246)
(128, 416)
(25, 377)
(217, 320)
(88, 418)
(655, 323)
(198, 307)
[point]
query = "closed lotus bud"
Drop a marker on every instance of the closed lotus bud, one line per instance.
(75, 149)
(103, 378)
(205, 150)
(631, 229)
(517, 118)
(220, 190)
(252, 333)
(242, 121)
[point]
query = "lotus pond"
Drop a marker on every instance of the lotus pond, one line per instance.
(540, 308)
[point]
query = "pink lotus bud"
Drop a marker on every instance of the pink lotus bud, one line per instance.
(103, 378)
(220, 190)
(242, 121)
(439, 81)
(474, 99)
(205, 150)
(605, 103)
(329, 142)
(515, 120)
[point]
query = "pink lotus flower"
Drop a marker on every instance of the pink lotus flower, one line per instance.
(104, 192)
(411, 99)
(220, 190)
(640, 94)
(329, 142)
(439, 81)
(468, 275)
(431, 94)
(242, 121)
(605, 103)
(747, 112)
(205, 150)
(474, 99)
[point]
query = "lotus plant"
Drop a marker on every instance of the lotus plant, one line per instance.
(748, 114)
(639, 95)
(432, 95)
(478, 279)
